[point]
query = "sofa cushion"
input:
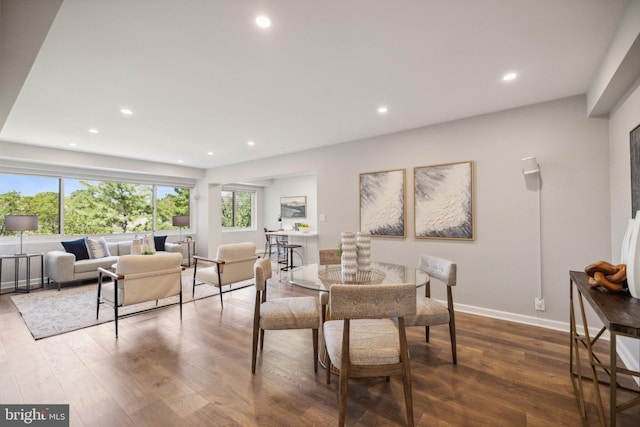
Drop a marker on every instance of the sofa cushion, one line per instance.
(113, 248)
(88, 265)
(97, 248)
(76, 247)
(159, 242)
(124, 248)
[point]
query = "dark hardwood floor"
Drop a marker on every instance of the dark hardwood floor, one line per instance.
(163, 372)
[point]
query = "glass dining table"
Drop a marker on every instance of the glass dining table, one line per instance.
(315, 277)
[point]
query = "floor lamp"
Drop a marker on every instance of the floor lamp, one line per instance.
(20, 223)
(181, 221)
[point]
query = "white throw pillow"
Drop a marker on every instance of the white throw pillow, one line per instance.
(97, 248)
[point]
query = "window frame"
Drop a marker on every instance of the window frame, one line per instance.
(97, 179)
(234, 190)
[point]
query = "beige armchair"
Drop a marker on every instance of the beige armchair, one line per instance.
(431, 312)
(233, 264)
(281, 313)
(367, 343)
(140, 278)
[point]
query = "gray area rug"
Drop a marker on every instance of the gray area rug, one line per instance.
(48, 313)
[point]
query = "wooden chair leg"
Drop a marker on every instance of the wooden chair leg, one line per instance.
(452, 336)
(342, 399)
(426, 333)
(328, 373)
(315, 350)
(406, 371)
(261, 339)
(408, 397)
(254, 353)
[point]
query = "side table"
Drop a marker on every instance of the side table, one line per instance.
(16, 266)
(191, 250)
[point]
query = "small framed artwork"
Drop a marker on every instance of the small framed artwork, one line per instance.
(443, 201)
(293, 207)
(382, 203)
(634, 141)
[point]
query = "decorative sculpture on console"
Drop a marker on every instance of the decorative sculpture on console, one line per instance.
(609, 276)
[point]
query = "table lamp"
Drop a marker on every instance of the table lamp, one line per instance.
(181, 221)
(21, 223)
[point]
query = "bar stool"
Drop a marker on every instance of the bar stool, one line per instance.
(287, 257)
(270, 241)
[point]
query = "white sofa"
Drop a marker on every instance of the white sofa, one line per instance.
(62, 267)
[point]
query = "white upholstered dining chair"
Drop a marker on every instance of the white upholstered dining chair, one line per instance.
(430, 312)
(281, 313)
(367, 343)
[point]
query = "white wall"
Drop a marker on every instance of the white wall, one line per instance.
(304, 185)
(497, 271)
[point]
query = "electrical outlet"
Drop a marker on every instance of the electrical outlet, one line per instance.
(540, 304)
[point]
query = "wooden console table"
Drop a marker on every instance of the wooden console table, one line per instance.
(620, 314)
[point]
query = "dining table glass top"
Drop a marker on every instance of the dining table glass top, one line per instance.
(308, 276)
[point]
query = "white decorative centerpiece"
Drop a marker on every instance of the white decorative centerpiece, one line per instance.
(349, 258)
(631, 254)
(363, 240)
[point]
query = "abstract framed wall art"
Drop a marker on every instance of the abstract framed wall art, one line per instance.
(443, 201)
(634, 141)
(382, 203)
(293, 207)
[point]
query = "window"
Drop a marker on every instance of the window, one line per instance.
(91, 207)
(170, 201)
(31, 195)
(237, 208)
(101, 207)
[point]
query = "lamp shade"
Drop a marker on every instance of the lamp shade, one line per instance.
(181, 221)
(20, 222)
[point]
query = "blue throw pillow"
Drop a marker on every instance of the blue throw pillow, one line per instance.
(159, 241)
(76, 247)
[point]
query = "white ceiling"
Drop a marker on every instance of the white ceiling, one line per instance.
(201, 76)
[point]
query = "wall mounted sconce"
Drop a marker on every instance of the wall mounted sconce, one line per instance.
(530, 165)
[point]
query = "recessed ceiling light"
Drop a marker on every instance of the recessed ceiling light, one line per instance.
(509, 76)
(126, 111)
(72, 144)
(210, 153)
(263, 21)
(93, 130)
(179, 161)
(251, 143)
(382, 109)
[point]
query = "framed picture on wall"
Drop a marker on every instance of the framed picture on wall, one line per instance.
(634, 140)
(382, 203)
(293, 207)
(443, 201)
